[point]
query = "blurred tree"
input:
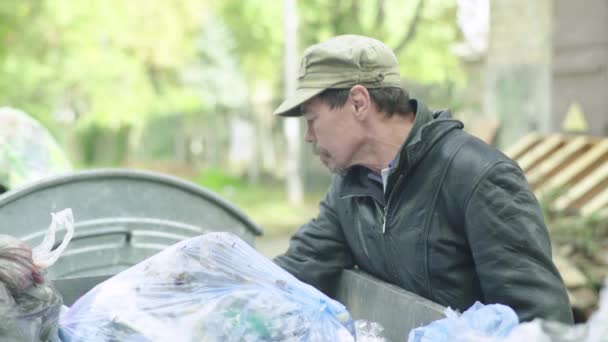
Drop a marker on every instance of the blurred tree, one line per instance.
(217, 76)
(109, 63)
(115, 63)
(258, 36)
(293, 163)
(420, 31)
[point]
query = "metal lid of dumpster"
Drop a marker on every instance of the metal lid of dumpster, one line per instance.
(122, 217)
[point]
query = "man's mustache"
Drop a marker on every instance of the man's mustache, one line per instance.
(320, 151)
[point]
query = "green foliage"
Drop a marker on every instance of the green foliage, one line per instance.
(218, 180)
(264, 203)
(587, 233)
(114, 64)
(104, 62)
(420, 31)
(257, 28)
(216, 72)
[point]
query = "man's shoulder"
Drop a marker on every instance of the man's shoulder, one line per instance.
(471, 162)
(474, 154)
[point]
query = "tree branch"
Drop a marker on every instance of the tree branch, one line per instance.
(411, 31)
(356, 18)
(335, 21)
(380, 14)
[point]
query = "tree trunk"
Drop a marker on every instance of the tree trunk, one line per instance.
(292, 125)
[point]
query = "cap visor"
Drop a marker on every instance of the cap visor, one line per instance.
(291, 106)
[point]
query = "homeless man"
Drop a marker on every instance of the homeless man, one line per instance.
(415, 200)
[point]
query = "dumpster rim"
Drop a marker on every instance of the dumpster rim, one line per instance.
(123, 173)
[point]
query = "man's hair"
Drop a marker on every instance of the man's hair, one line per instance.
(390, 100)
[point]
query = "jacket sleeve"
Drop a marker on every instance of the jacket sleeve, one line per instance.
(318, 252)
(511, 247)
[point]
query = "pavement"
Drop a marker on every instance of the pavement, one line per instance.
(271, 246)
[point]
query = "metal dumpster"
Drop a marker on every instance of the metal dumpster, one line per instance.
(122, 217)
(125, 216)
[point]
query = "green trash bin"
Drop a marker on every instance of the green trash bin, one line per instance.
(122, 217)
(125, 216)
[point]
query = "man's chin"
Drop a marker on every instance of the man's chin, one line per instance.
(340, 171)
(335, 169)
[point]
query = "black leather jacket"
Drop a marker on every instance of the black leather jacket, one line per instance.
(457, 224)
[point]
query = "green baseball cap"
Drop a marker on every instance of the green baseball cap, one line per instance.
(342, 62)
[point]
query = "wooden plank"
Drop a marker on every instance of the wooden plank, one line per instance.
(583, 187)
(568, 174)
(596, 203)
(557, 161)
(539, 152)
(523, 146)
(603, 213)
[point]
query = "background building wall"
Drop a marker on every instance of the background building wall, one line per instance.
(580, 66)
(517, 74)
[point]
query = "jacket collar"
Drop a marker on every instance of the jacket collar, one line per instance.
(429, 127)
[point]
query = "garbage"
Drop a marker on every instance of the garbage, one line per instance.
(213, 287)
(369, 331)
(499, 326)
(28, 151)
(595, 330)
(17, 270)
(478, 323)
(29, 304)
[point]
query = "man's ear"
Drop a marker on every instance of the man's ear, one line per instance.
(361, 101)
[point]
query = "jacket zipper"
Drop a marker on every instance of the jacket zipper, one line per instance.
(384, 219)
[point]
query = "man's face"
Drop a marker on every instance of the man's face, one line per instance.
(334, 133)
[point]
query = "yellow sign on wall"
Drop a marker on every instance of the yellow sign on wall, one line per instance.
(575, 119)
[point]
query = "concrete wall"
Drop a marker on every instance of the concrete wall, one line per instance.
(517, 74)
(580, 66)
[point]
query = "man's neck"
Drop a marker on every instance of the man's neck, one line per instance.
(386, 135)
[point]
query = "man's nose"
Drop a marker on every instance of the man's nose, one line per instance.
(309, 137)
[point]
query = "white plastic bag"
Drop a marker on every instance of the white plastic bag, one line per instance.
(43, 255)
(369, 331)
(29, 304)
(17, 270)
(213, 287)
(20, 264)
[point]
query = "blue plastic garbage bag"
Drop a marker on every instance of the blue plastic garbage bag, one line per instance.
(539, 330)
(213, 287)
(478, 322)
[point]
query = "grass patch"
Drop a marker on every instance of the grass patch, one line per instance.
(265, 203)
